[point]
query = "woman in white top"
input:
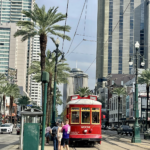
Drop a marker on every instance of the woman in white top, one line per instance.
(59, 135)
(47, 133)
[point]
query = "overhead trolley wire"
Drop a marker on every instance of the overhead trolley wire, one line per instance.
(77, 27)
(85, 17)
(90, 65)
(74, 48)
(65, 23)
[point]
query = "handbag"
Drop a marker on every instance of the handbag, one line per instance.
(47, 135)
(59, 135)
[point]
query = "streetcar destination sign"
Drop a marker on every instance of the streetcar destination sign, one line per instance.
(85, 126)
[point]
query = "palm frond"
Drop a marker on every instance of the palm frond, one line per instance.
(61, 28)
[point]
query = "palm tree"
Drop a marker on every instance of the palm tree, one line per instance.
(3, 79)
(14, 93)
(3, 82)
(43, 24)
(62, 74)
(120, 91)
(4, 89)
(85, 91)
(23, 101)
(145, 79)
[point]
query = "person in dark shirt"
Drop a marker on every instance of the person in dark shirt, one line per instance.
(54, 134)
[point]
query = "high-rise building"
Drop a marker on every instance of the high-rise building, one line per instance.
(35, 88)
(13, 52)
(120, 24)
(76, 80)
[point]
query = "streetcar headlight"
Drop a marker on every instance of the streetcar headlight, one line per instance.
(85, 131)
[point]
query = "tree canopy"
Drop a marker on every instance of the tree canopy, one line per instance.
(23, 101)
(62, 69)
(43, 23)
(119, 91)
(85, 91)
(144, 77)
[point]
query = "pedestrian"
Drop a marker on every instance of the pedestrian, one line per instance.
(59, 135)
(66, 131)
(54, 135)
(47, 134)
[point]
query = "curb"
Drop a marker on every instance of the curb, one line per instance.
(7, 147)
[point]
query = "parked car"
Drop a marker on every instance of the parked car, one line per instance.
(125, 129)
(109, 127)
(115, 127)
(18, 129)
(6, 128)
(147, 134)
(10, 125)
(103, 127)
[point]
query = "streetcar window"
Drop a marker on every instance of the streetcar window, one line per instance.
(95, 115)
(85, 115)
(75, 115)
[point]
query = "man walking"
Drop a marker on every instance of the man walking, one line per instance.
(66, 132)
(54, 135)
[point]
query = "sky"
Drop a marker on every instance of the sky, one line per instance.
(85, 53)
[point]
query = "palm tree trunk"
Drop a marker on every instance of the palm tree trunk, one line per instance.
(118, 109)
(4, 106)
(48, 112)
(11, 107)
(43, 44)
(147, 89)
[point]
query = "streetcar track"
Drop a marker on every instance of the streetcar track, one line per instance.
(118, 139)
(114, 144)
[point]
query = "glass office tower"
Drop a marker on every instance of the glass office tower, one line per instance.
(120, 23)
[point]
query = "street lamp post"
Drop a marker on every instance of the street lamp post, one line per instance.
(136, 133)
(57, 52)
(45, 80)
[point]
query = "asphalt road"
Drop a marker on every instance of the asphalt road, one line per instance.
(8, 139)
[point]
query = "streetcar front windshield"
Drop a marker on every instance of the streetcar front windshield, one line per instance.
(75, 115)
(95, 116)
(86, 115)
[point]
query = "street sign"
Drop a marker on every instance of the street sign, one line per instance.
(29, 105)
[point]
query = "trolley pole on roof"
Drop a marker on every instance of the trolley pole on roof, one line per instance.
(58, 53)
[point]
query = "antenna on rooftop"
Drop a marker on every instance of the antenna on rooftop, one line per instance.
(76, 64)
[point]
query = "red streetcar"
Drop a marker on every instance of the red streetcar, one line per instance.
(84, 114)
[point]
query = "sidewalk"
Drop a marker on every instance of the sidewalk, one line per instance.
(16, 147)
(123, 141)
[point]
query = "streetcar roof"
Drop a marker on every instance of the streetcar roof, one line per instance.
(84, 102)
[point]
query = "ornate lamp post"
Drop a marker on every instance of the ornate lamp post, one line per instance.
(136, 133)
(58, 53)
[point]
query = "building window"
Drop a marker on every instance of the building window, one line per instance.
(110, 36)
